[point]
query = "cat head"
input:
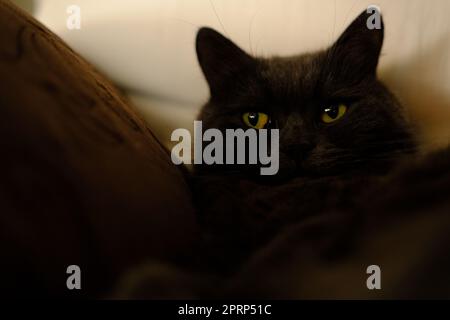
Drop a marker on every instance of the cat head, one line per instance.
(332, 112)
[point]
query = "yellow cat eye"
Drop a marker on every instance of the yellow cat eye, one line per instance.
(255, 120)
(333, 113)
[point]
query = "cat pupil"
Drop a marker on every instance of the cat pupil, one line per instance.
(332, 112)
(253, 118)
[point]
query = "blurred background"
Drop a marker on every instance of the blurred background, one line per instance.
(147, 48)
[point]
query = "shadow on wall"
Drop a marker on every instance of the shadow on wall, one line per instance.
(427, 101)
(28, 5)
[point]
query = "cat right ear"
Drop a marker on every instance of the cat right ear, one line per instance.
(223, 63)
(355, 54)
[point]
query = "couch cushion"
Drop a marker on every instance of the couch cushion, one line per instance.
(83, 180)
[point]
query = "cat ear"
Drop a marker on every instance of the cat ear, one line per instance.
(223, 63)
(356, 53)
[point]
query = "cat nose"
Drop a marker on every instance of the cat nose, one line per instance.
(299, 150)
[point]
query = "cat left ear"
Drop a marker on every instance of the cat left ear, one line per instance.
(223, 63)
(355, 54)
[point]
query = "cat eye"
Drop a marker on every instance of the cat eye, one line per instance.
(255, 120)
(333, 113)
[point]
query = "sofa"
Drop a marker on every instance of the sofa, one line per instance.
(83, 180)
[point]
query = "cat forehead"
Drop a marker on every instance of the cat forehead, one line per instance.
(299, 72)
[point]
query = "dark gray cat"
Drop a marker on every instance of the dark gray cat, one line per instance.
(338, 126)
(351, 191)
